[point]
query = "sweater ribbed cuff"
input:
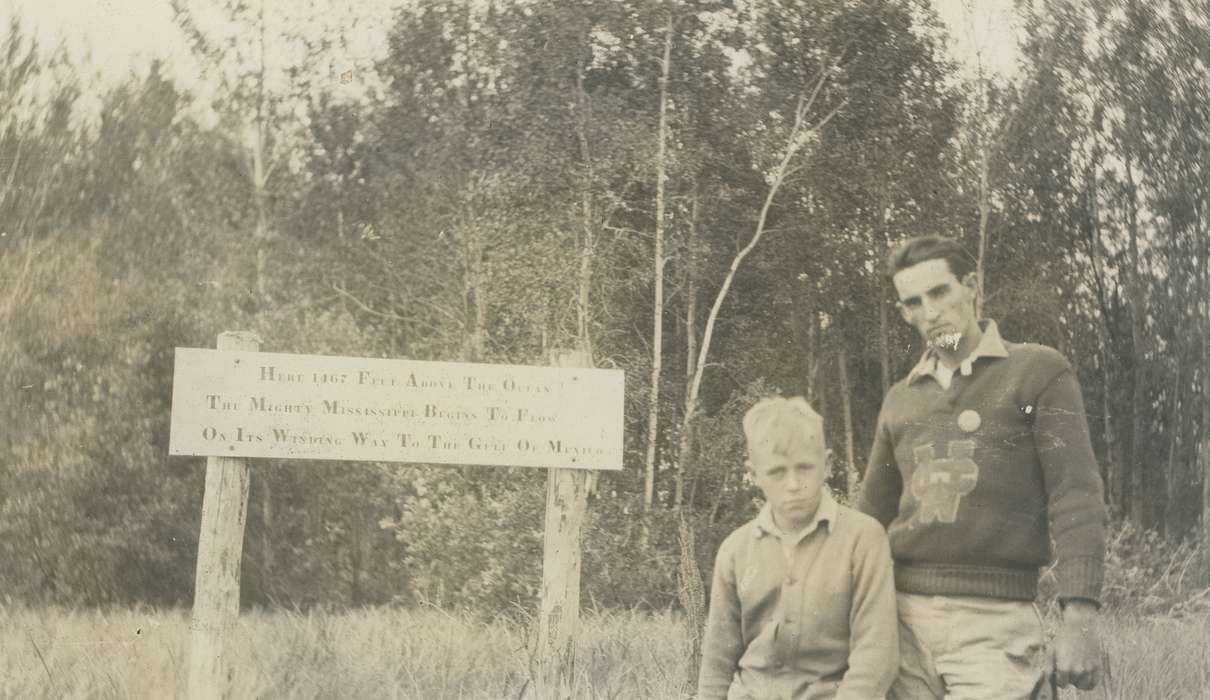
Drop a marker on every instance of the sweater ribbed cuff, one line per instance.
(982, 581)
(1080, 577)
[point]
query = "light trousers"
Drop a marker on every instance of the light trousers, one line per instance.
(969, 648)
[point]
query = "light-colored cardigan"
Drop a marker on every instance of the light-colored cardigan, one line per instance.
(819, 624)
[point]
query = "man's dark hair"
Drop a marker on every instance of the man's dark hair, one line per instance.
(917, 250)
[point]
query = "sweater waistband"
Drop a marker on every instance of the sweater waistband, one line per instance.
(983, 581)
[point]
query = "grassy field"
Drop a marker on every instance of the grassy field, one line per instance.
(56, 653)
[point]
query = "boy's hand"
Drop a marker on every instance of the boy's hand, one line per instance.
(1077, 647)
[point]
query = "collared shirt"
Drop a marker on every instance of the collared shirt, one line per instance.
(990, 345)
(825, 514)
(803, 616)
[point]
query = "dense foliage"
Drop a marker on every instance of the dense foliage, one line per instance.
(497, 198)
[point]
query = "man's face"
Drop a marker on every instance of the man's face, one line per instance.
(792, 483)
(936, 303)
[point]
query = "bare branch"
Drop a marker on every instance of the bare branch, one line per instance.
(819, 125)
(804, 107)
(420, 301)
(626, 230)
(366, 307)
(794, 143)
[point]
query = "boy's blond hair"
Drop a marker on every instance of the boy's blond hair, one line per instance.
(777, 425)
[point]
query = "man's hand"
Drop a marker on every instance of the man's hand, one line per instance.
(1077, 647)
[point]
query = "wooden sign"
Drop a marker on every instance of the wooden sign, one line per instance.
(252, 404)
(234, 402)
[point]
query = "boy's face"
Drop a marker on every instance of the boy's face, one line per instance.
(792, 484)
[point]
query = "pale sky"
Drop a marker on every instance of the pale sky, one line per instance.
(125, 35)
(117, 32)
(982, 32)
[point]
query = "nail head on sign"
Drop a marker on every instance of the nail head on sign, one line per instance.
(969, 421)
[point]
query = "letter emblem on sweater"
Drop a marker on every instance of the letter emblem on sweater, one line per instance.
(939, 483)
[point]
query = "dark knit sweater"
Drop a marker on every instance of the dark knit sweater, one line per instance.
(995, 466)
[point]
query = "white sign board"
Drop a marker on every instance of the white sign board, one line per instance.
(257, 404)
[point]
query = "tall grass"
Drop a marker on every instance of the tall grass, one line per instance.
(1160, 658)
(427, 653)
(373, 653)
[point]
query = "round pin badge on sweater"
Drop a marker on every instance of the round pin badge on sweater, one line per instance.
(969, 420)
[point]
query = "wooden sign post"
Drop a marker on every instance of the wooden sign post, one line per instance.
(220, 549)
(566, 508)
(235, 402)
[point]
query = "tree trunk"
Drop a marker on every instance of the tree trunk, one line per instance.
(686, 443)
(261, 238)
(583, 336)
(984, 213)
(804, 329)
(1203, 453)
(690, 265)
(812, 348)
(657, 337)
(850, 482)
(359, 554)
(1138, 483)
(474, 299)
(1203, 459)
(478, 295)
(1204, 445)
(1114, 482)
(260, 177)
(1174, 474)
(692, 594)
(268, 559)
(823, 393)
(884, 330)
(261, 235)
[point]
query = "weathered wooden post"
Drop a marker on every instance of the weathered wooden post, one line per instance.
(559, 615)
(220, 548)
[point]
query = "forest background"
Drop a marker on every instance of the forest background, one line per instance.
(698, 193)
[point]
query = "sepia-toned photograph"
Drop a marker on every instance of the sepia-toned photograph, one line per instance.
(605, 349)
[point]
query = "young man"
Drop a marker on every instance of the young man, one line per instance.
(981, 459)
(803, 602)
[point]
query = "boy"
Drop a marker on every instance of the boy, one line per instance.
(803, 600)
